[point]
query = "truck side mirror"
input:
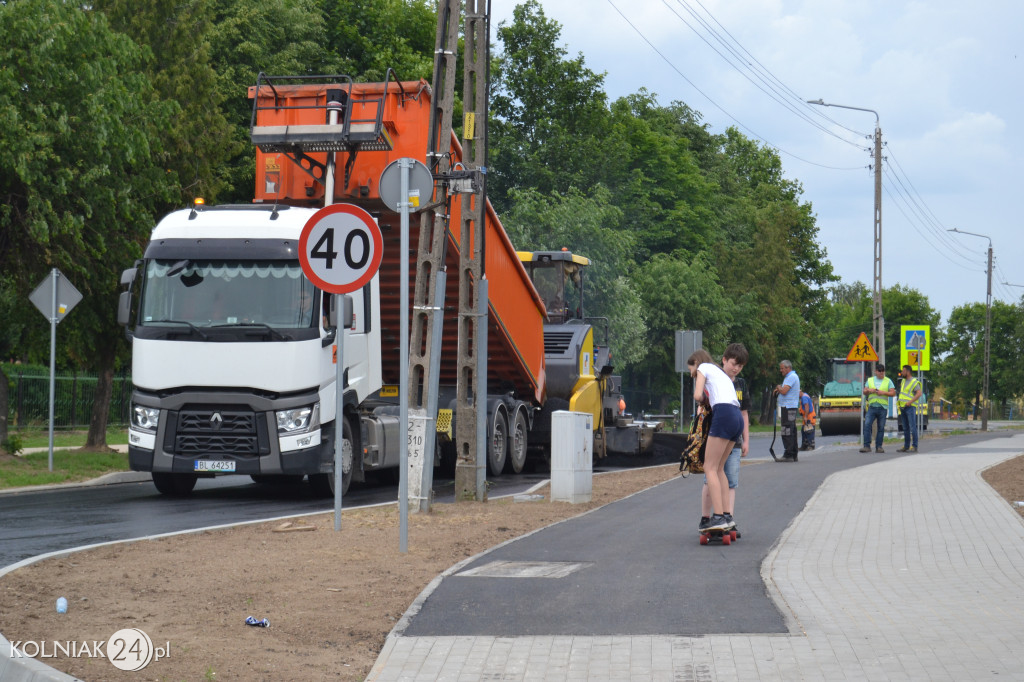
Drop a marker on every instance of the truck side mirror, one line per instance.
(124, 308)
(124, 301)
(346, 313)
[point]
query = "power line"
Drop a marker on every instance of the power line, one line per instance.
(761, 72)
(937, 233)
(913, 224)
(765, 85)
(716, 104)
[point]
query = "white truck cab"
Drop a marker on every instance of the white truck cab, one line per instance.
(233, 352)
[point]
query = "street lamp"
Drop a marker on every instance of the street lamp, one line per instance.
(878, 319)
(988, 325)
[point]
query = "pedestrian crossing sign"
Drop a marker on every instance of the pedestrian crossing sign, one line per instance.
(862, 350)
(915, 346)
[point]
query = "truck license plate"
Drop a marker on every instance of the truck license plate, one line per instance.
(227, 466)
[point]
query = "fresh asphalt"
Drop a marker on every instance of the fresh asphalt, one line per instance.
(635, 582)
(58, 518)
(629, 579)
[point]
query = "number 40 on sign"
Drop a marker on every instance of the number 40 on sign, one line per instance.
(340, 248)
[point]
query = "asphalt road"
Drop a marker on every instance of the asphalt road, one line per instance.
(643, 569)
(38, 522)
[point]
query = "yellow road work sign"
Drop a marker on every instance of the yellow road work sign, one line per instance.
(862, 350)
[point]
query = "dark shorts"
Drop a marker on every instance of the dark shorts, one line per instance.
(727, 422)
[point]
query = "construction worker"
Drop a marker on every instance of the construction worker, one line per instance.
(789, 401)
(877, 389)
(809, 421)
(910, 392)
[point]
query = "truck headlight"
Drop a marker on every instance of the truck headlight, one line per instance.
(145, 418)
(299, 419)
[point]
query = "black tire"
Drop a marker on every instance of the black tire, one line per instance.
(497, 442)
(517, 445)
(174, 485)
(323, 484)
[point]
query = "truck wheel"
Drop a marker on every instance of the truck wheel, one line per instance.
(323, 484)
(175, 485)
(497, 442)
(517, 444)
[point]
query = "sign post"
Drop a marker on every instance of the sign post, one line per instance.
(54, 297)
(687, 341)
(915, 350)
(402, 183)
(340, 250)
(862, 351)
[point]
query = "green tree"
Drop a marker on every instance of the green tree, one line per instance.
(589, 226)
(371, 36)
(80, 125)
(906, 306)
(845, 313)
(961, 371)
(656, 179)
(198, 140)
(678, 292)
(9, 333)
(548, 113)
(275, 37)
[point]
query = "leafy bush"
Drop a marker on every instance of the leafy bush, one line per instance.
(13, 444)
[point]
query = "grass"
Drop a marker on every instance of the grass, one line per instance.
(68, 465)
(40, 438)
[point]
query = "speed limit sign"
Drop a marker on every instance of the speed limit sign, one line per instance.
(340, 248)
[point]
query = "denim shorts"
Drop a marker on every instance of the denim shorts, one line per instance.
(727, 422)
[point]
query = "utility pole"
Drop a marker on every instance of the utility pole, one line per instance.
(431, 277)
(988, 327)
(988, 340)
(878, 319)
(471, 387)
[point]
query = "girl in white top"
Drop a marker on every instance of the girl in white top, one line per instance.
(713, 386)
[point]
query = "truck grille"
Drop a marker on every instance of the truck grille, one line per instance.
(213, 431)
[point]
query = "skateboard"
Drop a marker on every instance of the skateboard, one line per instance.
(726, 537)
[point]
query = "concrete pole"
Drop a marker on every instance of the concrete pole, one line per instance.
(879, 318)
(988, 341)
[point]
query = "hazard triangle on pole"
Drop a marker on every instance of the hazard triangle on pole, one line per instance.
(862, 350)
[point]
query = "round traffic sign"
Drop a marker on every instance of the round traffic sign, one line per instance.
(421, 186)
(340, 248)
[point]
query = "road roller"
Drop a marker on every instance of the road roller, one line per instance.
(839, 405)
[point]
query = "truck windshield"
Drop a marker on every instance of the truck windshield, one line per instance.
(207, 293)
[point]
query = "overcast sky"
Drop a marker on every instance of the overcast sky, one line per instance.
(945, 78)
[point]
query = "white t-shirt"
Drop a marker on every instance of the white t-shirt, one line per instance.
(718, 385)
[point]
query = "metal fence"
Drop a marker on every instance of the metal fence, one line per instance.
(29, 400)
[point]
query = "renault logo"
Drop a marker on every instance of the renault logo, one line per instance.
(216, 421)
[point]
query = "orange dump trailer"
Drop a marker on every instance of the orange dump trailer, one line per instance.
(367, 126)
